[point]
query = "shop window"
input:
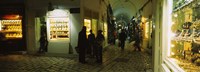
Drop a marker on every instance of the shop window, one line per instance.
(58, 24)
(11, 26)
(185, 31)
(59, 28)
(87, 23)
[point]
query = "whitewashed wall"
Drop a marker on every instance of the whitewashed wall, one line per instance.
(38, 8)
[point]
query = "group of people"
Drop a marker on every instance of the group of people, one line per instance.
(91, 45)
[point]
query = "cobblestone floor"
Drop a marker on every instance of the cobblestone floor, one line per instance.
(114, 60)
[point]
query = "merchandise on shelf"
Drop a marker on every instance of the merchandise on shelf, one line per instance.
(59, 28)
(185, 43)
(11, 28)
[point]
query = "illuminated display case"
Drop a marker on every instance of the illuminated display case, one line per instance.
(11, 28)
(185, 31)
(59, 28)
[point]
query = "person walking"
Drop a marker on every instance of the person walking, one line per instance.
(99, 43)
(114, 37)
(91, 38)
(44, 33)
(43, 43)
(122, 38)
(82, 44)
(137, 40)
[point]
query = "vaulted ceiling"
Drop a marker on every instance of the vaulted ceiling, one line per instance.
(126, 9)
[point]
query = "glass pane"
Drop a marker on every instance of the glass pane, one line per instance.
(185, 43)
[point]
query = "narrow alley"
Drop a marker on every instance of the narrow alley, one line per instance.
(114, 60)
(100, 36)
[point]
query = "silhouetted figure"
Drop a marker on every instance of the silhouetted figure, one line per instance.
(115, 36)
(82, 44)
(2, 43)
(91, 38)
(99, 46)
(43, 43)
(137, 40)
(2, 37)
(44, 32)
(122, 38)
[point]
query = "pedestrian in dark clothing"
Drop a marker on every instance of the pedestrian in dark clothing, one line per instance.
(82, 44)
(2, 43)
(91, 38)
(114, 36)
(137, 40)
(122, 38)
(44, 32)
(43, 43)
(99, 46)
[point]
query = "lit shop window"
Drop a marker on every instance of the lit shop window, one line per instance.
(185, 32)
(87, 23)
(94, 26)
(11, 28)
(59, 28)
(58, 24)
(105, 30)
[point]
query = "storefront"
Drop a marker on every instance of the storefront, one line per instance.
(91, 24)
(146, 32)
(12, 25)
(93, 16)
(144, 25)
(180, 36)
(58, 31)
(59, 20)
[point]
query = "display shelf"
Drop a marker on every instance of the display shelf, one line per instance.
(14, 37)
(59, 28)
(11, 28)
(11, 31)
(11, 22)
(185, 41)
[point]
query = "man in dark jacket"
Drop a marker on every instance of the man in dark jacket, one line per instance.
(99, 46)
(43, 43)
(122, 38)
(91, 38)
(82, 44)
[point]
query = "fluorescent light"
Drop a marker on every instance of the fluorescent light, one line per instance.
(58, 13)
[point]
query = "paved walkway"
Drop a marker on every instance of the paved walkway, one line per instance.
(114, 60)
